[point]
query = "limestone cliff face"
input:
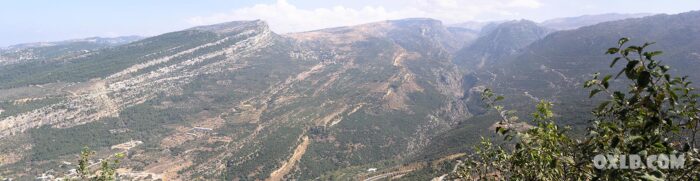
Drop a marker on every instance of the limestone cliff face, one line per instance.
(358, 95)
(106, 97)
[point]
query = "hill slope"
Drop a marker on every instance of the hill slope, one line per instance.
(555, 67)
(503, 40)
(238, 101)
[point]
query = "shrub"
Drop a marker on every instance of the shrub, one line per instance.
(658, 114)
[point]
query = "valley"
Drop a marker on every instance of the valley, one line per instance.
(238, 101)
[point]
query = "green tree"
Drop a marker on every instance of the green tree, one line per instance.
(657, 114)
(107, 171)
(84, 163)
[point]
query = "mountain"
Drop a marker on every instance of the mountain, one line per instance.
(501, 41)
(94, 40)
(566, 58)
(586, 20)
(555, 67)
(466, 35)
(238, 101)
(47, 51)
(476, 25)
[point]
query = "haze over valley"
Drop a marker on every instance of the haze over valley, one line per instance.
(397, 99)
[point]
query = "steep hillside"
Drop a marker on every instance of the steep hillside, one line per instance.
(143, 91)
(555, 68)
(411, 92)
(237, 101)
(466, 35)
(564, 59)
(477, 26)
(502, 41)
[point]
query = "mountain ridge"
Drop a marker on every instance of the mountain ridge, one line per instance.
(240, 102)
(568, 23)
(258, 91)
(44, 51)
(503, 40)
(118, 40)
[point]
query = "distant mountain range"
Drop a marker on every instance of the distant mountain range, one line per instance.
(59, 49)
(586, 20)
(555, 67)
(237, 101)
(95, 40)
(566, 23)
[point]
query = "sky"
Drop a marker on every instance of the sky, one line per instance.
(23, 21)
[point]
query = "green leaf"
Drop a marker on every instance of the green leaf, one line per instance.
(614, 61)
(647, 44)
(644, 79)
(499, 98)
(686, 147)
(500, 130)
(508, 137)
(619, 96)
(622, 41)
(659, 145)
(553, 163)
(612, 50)
(673, 98)
(594, 92)
(614, 142)
(607, 77)
(606, 80)
(650, 55)
(634, 138)
(651, 178)
(602, 106)
(629, 69)
(620, 73)
(633, 49)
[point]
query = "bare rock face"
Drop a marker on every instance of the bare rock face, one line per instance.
(235, 27)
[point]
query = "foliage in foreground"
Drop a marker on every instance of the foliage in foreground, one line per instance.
(106, 172)
(658, 114)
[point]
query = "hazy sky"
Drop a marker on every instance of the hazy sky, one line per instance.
(24, 21)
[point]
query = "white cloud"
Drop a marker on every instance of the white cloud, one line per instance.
(285, 17)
